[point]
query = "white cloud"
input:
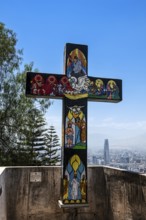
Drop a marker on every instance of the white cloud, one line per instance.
(112, 124)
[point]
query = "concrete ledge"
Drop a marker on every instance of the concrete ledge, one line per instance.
(112, 194)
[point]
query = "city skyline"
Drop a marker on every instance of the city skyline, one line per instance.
(115, 33)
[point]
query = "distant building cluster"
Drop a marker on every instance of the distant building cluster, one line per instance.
(119, 158)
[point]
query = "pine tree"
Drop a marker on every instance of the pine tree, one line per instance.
(51, 155)
(31, 144)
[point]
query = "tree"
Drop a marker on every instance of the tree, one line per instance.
(13, 113)
(32, 138)
(10, 57)
(51, 154)
(15, 108)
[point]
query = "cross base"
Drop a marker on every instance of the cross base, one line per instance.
(62, 205)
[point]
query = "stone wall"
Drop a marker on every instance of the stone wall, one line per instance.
(113, 195)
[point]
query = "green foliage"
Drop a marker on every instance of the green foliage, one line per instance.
(51, 154)
(16, 110)
(9, 62)
(10, 57)
(32, 137)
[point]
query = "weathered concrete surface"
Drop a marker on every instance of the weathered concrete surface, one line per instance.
(113, 195)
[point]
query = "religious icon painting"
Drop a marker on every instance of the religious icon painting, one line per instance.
(76, 60)
(35, 84)
(76, 69)
(76, 64)
(42, 85)
(108, 90)
(49, 85)
(75, 124)
(112, 90)
(75, 181)
(96, 87)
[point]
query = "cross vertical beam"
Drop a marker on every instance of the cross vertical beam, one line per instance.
(75, 127)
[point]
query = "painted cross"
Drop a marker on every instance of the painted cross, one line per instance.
(75, 88)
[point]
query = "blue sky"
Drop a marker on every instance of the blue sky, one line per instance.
(115, 32)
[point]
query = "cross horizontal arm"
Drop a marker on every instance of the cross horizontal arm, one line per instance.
(58, 86)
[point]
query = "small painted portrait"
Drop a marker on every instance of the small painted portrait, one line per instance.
(99, 87)
(51, 85)
(112, 90)
(64, 85)
(75, 181)
(75, 128)
(69, 132)
(38, 85)
(76, 64)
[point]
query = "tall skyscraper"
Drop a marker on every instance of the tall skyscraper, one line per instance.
(94, 160)
(106, 152)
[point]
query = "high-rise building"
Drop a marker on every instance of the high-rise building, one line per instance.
(106, 152)
(94, 160)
